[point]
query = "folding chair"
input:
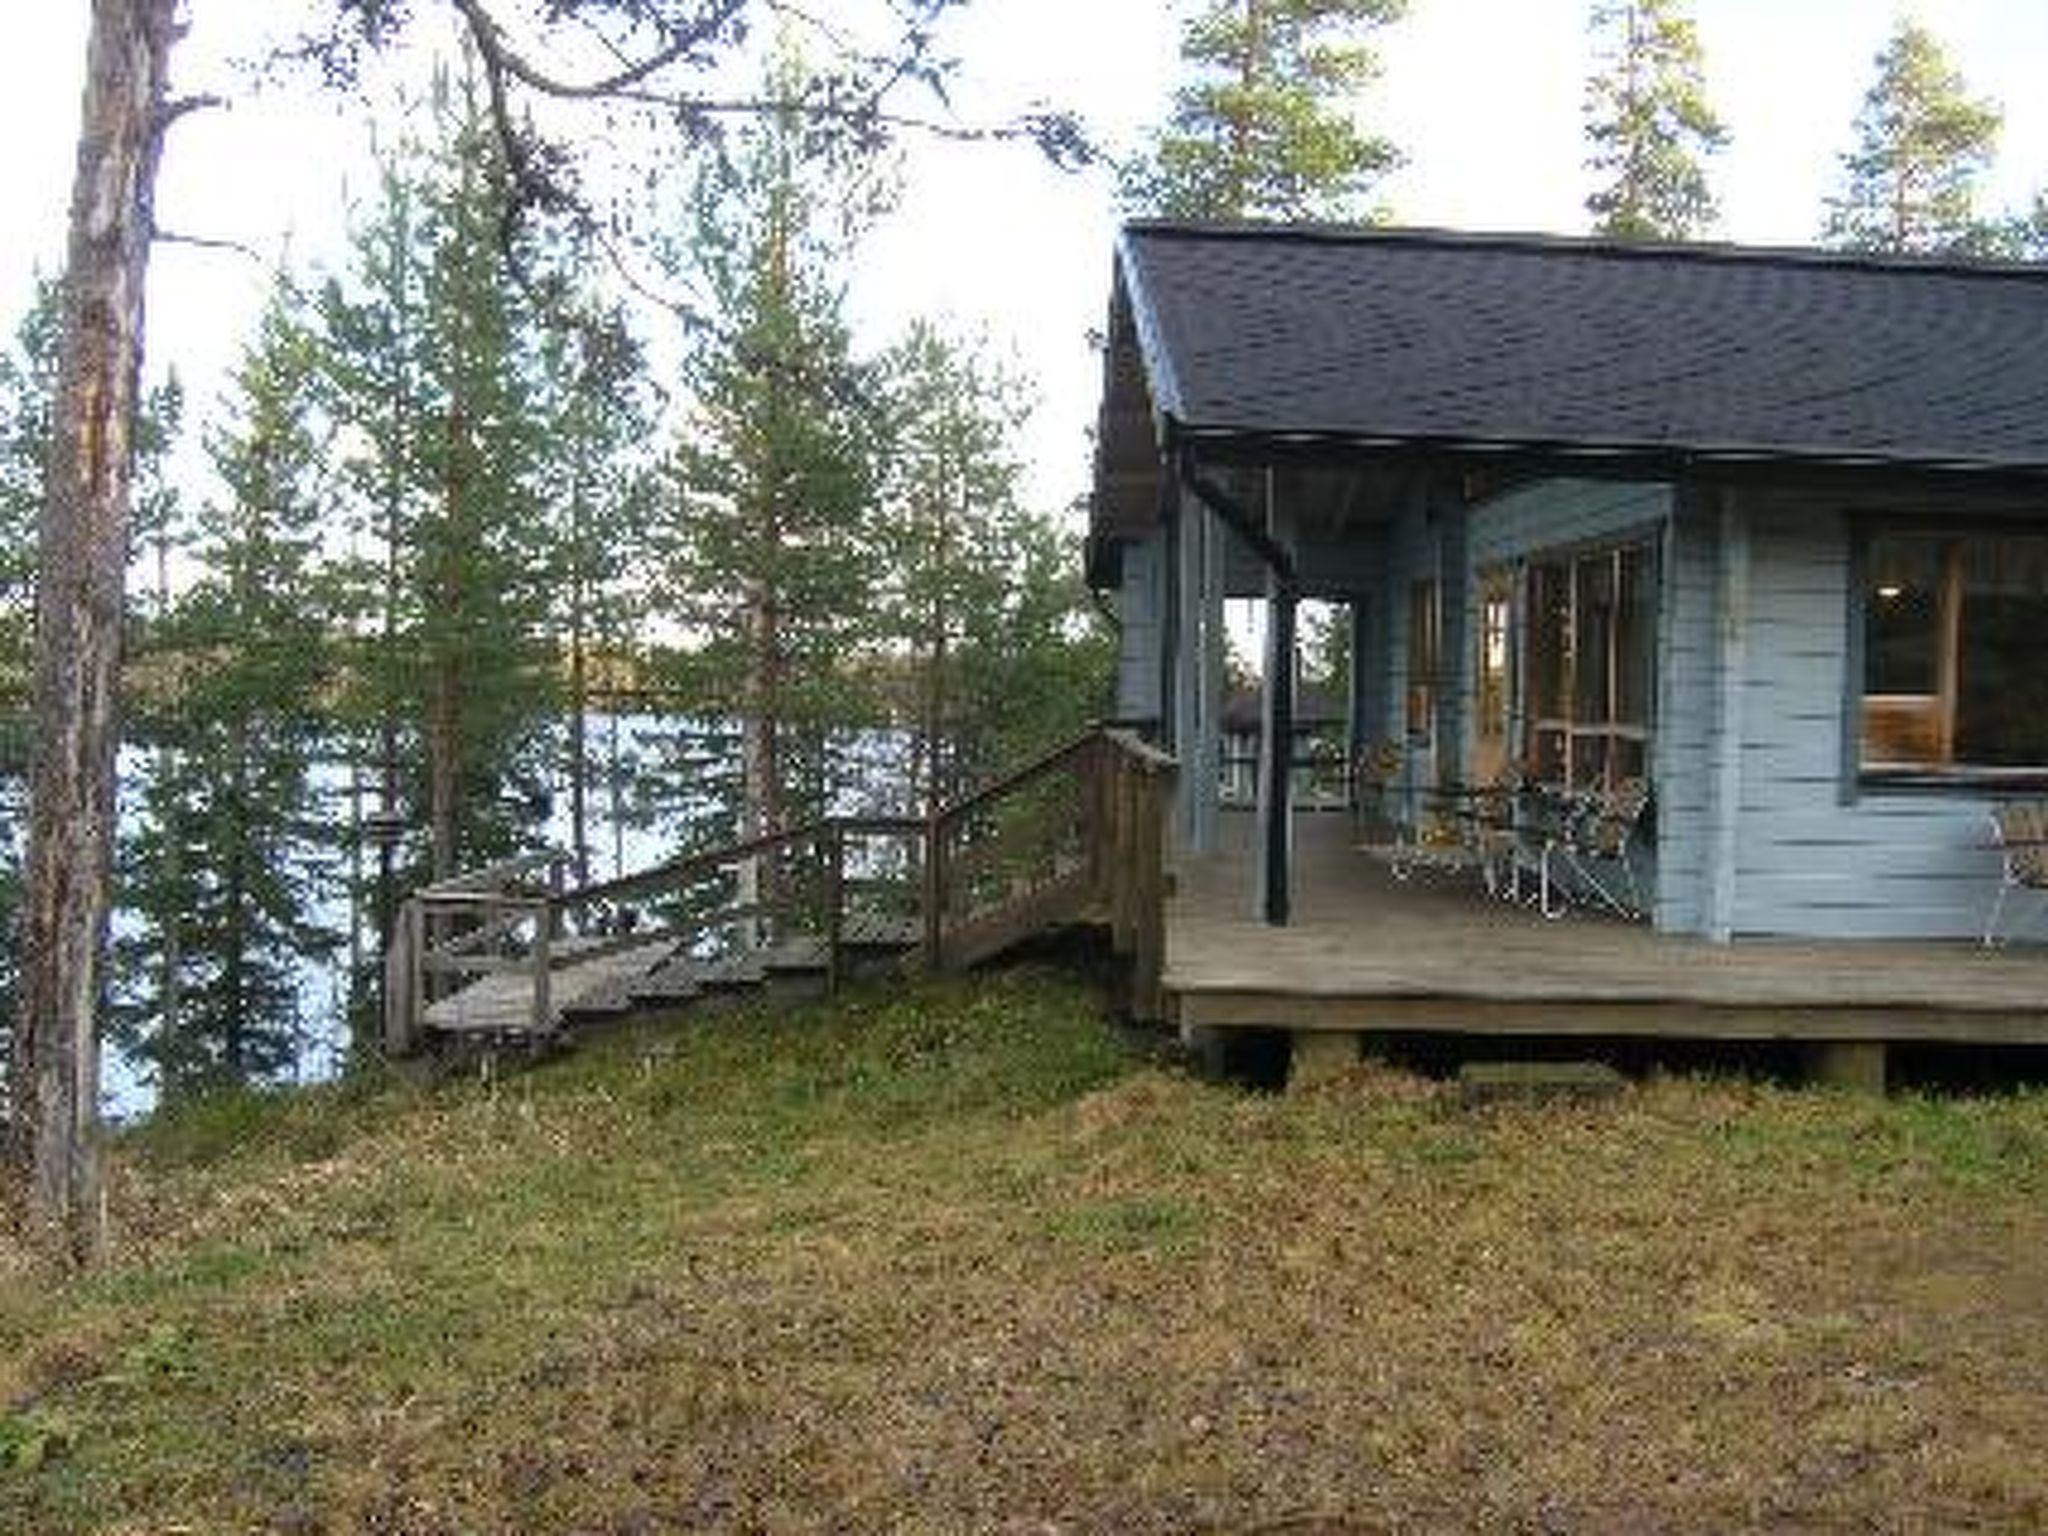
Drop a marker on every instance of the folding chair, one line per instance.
(1373, 779)
(1599, 838)
(1494, 834)
(2019, 830)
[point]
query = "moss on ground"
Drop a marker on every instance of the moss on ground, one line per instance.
(947, 1258)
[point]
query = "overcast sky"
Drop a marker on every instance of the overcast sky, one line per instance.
(1482, 96)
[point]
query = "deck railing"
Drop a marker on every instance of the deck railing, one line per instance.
(1076, 835)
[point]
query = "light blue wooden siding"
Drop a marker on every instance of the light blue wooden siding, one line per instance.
(1688, 680)
(1812, 860)
(1553, 514)
(1138, 606)
(1411, 556)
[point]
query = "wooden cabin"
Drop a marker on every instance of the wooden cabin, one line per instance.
(1763, 531)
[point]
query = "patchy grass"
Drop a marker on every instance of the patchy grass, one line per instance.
(946, 1259)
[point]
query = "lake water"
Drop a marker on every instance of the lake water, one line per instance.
(663, 797)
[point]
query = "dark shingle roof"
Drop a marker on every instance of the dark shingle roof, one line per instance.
(1416, 338)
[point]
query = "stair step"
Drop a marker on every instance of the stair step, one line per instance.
(674, 981)
(736, 975)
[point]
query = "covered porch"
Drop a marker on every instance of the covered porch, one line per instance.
(1768, 586)
(1365, 953)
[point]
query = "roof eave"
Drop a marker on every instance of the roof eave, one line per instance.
(1243, 444)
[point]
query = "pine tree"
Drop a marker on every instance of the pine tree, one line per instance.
(1265, 128)
(775, 480)
(432, 349)
(1650, 123)
(1922, 142)
(226, 863)
(961, 541)
(590, 397)
(28, 381)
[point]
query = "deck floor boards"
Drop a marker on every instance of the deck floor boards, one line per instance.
(1360, 933)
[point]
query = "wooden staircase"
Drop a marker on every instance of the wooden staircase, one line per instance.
(514, 952)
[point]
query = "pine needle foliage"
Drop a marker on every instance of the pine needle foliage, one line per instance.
(1923, 142)
(1266, 128)
(222, 871)
(773, 481)
(1649, 123)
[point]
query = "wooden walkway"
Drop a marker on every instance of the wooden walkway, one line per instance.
(651, 975)
(515, 950)
(1366, 951)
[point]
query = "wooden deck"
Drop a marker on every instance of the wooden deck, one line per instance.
(1368, 952)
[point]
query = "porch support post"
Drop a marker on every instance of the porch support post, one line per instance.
(1208, 764)
(1358, 730)
(1276, 738)
(1454, 654)
(1276, 747)
(1195, 726)
(1731, 667)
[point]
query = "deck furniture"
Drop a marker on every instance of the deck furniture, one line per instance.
(1374, 778)
(1600, 835)
(2019, 830)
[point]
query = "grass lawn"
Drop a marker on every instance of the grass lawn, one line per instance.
(950, 1259)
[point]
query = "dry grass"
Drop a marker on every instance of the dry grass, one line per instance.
(951, 1262)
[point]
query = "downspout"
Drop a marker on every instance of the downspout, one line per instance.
(1168, 590)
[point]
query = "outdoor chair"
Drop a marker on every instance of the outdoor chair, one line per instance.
(2019, 830)
(1599, 837)
(1493, 832)
(1374, 778)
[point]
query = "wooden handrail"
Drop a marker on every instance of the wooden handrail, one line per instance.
(492, 877)
(657, 877)
(1136, 747)
(1010, 783)
(1123, 784)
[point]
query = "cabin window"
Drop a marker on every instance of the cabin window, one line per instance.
(1491, 664)
(1591, 628)
(1425, 656)
(1953, 628)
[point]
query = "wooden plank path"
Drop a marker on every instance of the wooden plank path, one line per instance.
(1075, 835)
(501, 1003)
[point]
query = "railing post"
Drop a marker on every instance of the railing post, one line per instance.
(1094, 821)
(835, 903)
(419, 933)
(543, 956)
(1148, 941)
(401, 997)
(1128, 810)
(934, 887)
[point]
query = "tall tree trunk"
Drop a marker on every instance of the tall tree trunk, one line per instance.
(444, 766)
(444, 703)
(760, 748)
(82, 550)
